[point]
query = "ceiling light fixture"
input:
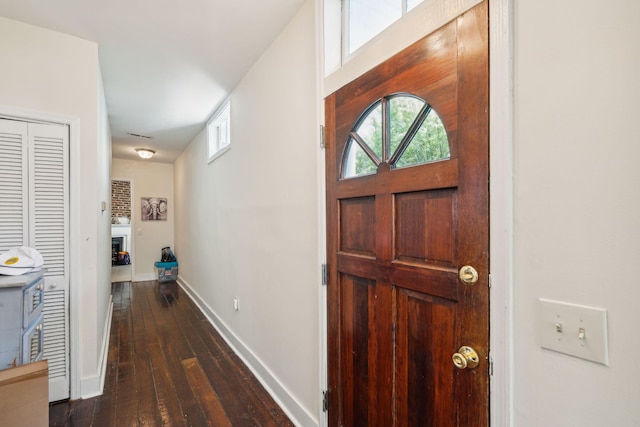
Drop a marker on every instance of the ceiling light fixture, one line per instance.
(145, 153)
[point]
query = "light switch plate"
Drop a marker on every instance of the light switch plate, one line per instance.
(576, 330)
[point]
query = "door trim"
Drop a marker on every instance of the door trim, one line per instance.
(74, 229)
(501, 210)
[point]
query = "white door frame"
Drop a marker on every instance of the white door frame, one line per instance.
(11, 112)
(501, 209)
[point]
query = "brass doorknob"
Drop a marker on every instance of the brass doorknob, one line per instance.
(466, 357)
(468, 275)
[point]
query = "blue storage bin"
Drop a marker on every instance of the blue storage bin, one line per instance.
(167, 271)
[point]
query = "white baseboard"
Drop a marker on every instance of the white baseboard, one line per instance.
(144, 277)
(298, 415)
(94, 385)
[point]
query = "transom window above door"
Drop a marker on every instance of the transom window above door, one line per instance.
(401, 130)
(365, 19)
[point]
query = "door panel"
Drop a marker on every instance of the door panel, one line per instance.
(425, 227)
(424, 321)
(357, 226)
(366, 367)
(396, 238)
(49, 225)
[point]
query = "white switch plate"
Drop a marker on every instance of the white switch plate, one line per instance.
(561, 324)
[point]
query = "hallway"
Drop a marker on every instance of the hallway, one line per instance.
(168, 366)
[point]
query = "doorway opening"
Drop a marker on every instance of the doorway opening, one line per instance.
(121, 260)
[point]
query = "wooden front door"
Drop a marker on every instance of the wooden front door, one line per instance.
(407, 208)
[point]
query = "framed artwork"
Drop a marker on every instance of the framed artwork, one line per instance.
(153, 208)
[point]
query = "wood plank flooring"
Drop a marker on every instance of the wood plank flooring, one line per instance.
(167, 366)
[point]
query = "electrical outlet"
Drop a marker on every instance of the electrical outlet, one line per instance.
(236, 304)
(576, 330)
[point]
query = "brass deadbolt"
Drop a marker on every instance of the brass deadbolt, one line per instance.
(468, 275)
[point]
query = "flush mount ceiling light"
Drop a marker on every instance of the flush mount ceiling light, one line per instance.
(145, 153)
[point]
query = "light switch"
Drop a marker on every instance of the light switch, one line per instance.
(576, 330)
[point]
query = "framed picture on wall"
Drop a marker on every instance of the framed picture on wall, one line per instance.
(153, 208)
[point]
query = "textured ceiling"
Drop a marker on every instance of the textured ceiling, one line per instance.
(166, 65)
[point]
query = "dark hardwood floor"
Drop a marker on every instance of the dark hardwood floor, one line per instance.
(168, 366)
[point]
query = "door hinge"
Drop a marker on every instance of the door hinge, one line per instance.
(325, 401)
(490, 365)
(324, 274)
(322, 138)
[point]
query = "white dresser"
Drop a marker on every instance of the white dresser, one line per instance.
(21, 319)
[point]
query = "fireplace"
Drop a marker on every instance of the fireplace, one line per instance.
(117, 245)
(120, 242)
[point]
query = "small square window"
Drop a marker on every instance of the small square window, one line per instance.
(219, 132)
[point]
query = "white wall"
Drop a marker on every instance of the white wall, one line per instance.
(247, 222)
(103, 291)
(576, 228)
(148, 179)
(58, 75)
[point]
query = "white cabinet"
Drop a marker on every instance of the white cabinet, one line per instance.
(21, 319)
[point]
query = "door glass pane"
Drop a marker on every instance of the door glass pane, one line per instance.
(370, 130)
(402, 112)
(357, 162)
(368, 18)
(412, 138)
(430, 144)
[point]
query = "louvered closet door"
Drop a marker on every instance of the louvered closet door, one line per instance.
(13, 184)
(34, 211)
(49, 225)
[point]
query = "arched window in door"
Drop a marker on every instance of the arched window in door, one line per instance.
(401, 129)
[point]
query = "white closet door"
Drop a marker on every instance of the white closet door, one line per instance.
(48, 147)
(13, 184)
(34, 211)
